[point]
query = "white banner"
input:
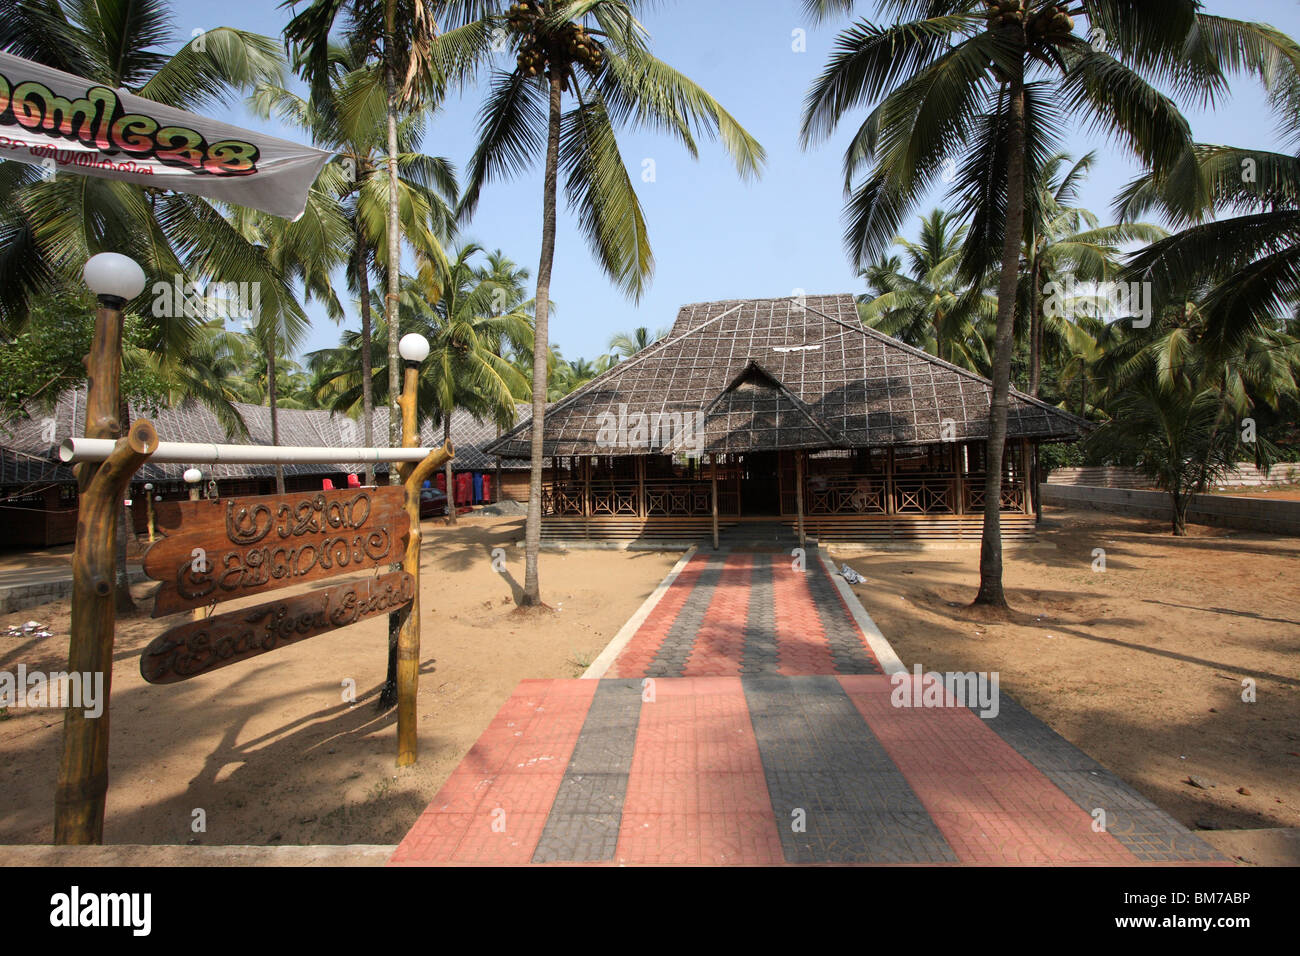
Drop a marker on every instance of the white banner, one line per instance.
(67, 124)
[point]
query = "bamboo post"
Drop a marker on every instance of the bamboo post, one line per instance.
(798, 497)
(193, 477)
(83, 769)
(413, 475)
(148, 510)
(713, 478)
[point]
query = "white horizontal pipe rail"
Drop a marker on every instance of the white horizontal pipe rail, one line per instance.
(75, 450)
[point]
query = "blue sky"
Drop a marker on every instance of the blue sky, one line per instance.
(714, 236)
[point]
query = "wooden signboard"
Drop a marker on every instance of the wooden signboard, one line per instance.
(222, 549)
(200, 646)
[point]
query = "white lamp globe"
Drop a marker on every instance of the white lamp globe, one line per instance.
(112, 274)
(414, 347)
(192, 476)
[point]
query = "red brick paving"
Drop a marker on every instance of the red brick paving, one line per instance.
(801, 640)
(719, 643)
(720, 640)
(641, 649)
(494, 805)
(696, 792)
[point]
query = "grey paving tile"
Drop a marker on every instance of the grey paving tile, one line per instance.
(582, 825)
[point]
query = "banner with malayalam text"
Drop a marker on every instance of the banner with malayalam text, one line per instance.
(65, 123)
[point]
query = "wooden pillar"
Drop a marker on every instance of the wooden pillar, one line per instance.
(1038, 501)
(1026, 476)
(960, 505)
(586, 486)
(640, 486)
(713, 475)
(413, 475)
(889, 482)
(83, 766)
(798, 497)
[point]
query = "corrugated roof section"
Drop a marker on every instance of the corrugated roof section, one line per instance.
(29, 446)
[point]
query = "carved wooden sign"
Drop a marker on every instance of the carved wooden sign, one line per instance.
(200, 646)
(230, 548)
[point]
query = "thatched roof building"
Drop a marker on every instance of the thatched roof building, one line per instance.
(780, 408)
(774, 374)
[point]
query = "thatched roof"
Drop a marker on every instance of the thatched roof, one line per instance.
(781, 373)
(29, 446)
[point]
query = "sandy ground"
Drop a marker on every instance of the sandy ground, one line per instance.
(1141, 666)
(268, 748)
(1283, 493)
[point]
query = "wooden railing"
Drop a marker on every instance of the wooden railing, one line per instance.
(664, 497)
(1012, 497)
(827, 495)
(925, 496)
(847, 495)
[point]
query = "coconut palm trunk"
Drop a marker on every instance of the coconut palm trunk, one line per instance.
(272, 400)
(990, 591)
(447, 471)
(388, 696)
(394, 251)
(533, 529)
(1035, 329)
(367, 360)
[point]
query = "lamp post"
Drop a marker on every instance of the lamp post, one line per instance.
(148, 509)
(83, 765)
(194, 478)
(414, 349)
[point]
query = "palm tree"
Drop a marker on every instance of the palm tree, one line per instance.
(626, 344)
(1065, 244)
(306, 252)
(931, 305)
(983, 89)
(357, 133)
(597, 52)
(466, 368)
(211, 373)
(414, 65)
(1248, 264)
(568, 375)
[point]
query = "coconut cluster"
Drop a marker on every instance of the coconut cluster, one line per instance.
(542, 49)
(1052, 21)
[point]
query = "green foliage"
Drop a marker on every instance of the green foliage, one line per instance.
(45, 357)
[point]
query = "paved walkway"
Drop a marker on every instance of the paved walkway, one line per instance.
(791, 623)
(750, 724)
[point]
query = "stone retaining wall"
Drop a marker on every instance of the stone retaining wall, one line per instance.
(1246, 514)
